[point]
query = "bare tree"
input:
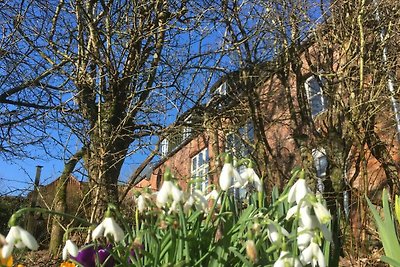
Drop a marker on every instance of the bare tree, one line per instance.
(108, 68)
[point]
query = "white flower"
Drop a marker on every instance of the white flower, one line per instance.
(141, 203)
(20, 238)
(212, 195)
(176, 193)
(229, 176)
(250, 176)
(313, 254)
(285, 260)
(298, 191)
(163, 194)
(167, 190)
(322, 213)
(69, 248)
(188, 204)
(108, 227)
(198, 199)
(304, 212)
(304, 237)
(308, 221)
(275, 234)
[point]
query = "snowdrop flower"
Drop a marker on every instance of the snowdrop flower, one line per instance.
(229, 175)
(298, 191)
(250, 176)
(308, 221)
(20, 238)
(198, 199)
(304, 212)
(108, 227)
(276, 232)
(212, 195)
(285, 260)
(322, 213)
(304, 237)
(313, 254)
(69, 249)
(188, 204)
(167, 190)
(141, 204)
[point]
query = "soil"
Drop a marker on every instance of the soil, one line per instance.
(40, 258)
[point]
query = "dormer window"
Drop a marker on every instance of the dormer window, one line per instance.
(315, 95)
(187, 132)
(164, 147)
(221, 90)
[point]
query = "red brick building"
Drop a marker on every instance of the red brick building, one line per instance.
(283, 121)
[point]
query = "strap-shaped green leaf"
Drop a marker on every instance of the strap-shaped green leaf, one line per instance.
(386, 228)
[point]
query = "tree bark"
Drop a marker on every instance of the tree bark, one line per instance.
(60, 203)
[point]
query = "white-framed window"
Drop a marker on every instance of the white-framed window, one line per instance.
(316, 99)
(199, 170)
(164, 147)
(238, 144)
(221, 90)
(321, 165)
(187, 132)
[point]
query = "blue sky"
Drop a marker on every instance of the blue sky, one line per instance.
(17, 176)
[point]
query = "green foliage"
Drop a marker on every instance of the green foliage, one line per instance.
(228, 232)
(215, 238)
(387, 231)
(8, 205)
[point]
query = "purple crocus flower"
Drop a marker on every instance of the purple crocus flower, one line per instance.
(87, 257)
(105, 258)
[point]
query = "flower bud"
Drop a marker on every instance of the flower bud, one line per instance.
(251, 251)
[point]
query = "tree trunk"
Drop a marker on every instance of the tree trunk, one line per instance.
(60, 203)
(104, 169)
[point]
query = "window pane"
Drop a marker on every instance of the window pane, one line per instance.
(194, 163)
(321, 165)
(230, 142)
(315, 95)
(201, 159)
(314, 86)
(200, 169)
(317, 105)
(250, 132)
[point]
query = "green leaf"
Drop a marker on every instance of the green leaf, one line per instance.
(390, 261)
(240, 256)
(386, 228)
